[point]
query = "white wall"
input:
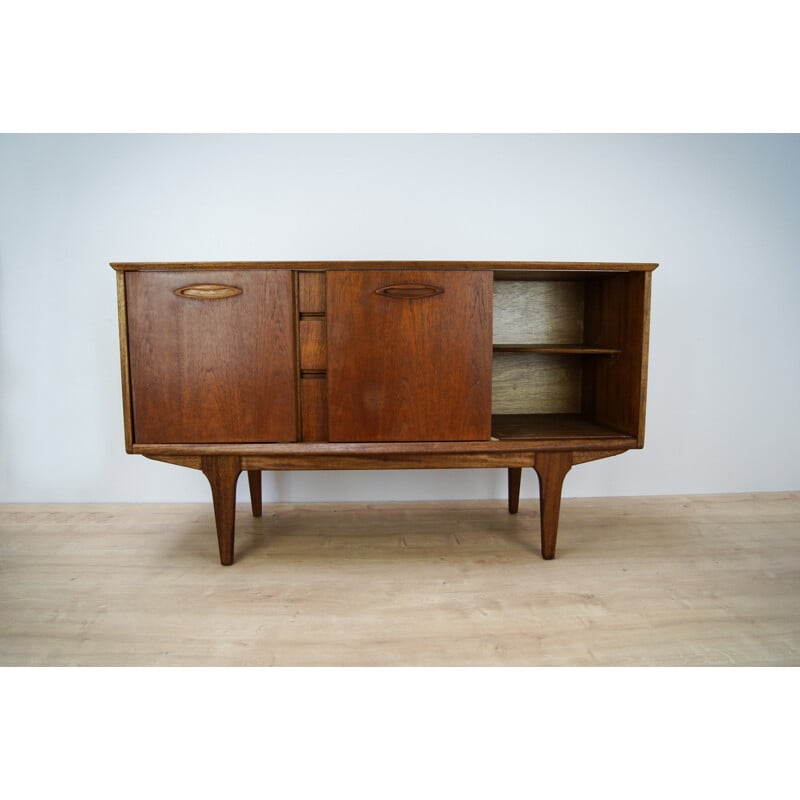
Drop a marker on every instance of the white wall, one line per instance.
(720, 213)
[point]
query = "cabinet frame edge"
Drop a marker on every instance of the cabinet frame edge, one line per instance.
(125, 366)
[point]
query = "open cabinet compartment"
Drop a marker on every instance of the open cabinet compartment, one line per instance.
(568, 354)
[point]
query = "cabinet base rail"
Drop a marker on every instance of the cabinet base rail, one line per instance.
(223, 471)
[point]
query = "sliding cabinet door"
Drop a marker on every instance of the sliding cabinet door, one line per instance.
(212, 356)
(409, 355)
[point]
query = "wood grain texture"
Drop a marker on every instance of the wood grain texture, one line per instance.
(381, 461)
(524, 266)
(410, 291)
(207, 291)
(212, 370)
(514, 480)
(593, 455)
(387, 450)
(222, 473)
(549, 426)
(659, 581)
(311, 292)
(124, 357)
(548, 312)
(254, 481)
(557, 349)
(532, 383)
(314, 409)
(409, 369)
(313, 344)
(617, 314)
(193, 462)
(551, 468)
(551, 273)
(644, 362)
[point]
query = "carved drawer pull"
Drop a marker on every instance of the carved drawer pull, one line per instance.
(208, 291)
(410, 291)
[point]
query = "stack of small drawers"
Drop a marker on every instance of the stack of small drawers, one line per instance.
(313, 356)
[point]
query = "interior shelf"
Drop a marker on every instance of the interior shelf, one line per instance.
(558, 349)
(550, 426)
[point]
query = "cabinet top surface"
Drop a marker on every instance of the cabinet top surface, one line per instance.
(591, 266)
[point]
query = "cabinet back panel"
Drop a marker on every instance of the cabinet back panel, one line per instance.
(530, 383)
(543, 312)
(212, 369)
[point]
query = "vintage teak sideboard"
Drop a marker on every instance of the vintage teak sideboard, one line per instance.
(251, 366)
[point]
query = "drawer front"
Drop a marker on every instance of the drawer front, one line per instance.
(409, 355)
(212, 356)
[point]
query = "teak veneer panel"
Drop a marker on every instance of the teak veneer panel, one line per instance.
(618, 315)
(314, 409)
(311, 292)
(524, 266)
(212, 370)
(125, 367)
(313, 350)
(409, 368)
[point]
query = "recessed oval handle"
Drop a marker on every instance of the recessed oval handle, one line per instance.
(410, 291)
(208, 291)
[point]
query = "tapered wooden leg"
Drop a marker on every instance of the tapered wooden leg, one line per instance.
(254, 479)
(222, 473)
(551, 469)
(514, 478)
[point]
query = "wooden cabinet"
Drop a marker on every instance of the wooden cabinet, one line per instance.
(335, 365)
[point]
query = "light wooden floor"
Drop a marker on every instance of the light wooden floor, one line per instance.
(705, 580)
